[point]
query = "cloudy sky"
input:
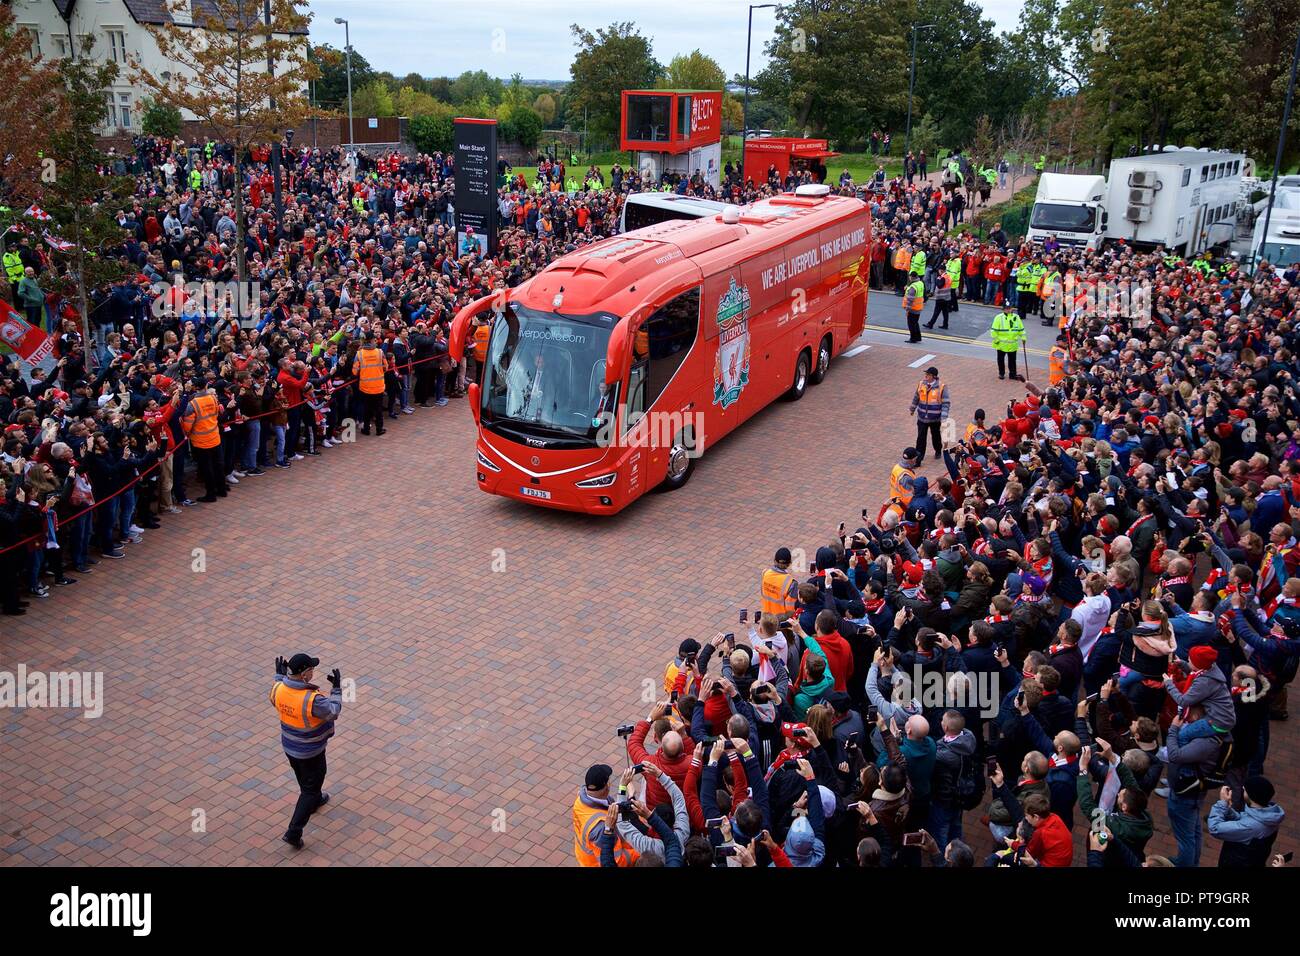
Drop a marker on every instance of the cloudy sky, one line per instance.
(447, 37)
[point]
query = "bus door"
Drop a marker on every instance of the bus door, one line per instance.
(461, 341)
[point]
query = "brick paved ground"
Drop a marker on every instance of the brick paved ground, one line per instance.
(481, 697)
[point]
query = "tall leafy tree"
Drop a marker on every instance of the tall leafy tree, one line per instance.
(81, 200)
(33, 110)
(331, 85)
(840, 66)
(1269, 34)
(612, 59)
(693, 71)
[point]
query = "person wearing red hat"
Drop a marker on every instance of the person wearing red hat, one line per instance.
(1207, 687)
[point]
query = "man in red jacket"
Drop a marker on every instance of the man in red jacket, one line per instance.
(292, 379)
(839, 655)
(673, 756)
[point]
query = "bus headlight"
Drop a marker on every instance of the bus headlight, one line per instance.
(482, 460)
(604, 481)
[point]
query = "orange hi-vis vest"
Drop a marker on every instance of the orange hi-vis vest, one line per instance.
(200, 422)
(1056, 365)
(976, 435)
(902, 260)
(370, 371)
(775, 593)
(294, 706)
(585, 848)
(914, 298)
(896, 489)
(481, 335)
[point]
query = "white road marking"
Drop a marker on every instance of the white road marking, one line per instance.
(922, 360)
(857, 351)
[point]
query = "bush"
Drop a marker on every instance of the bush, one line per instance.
(527, 124)
(432, 134)
(160, 119)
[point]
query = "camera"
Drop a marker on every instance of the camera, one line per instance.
(625, 730)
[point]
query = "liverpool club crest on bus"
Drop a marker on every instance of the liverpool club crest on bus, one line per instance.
(731, 367)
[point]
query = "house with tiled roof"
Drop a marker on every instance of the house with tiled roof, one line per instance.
(118, 30)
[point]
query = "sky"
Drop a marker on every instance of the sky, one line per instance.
(532, 37)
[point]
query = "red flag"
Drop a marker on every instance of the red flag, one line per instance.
(31, 343)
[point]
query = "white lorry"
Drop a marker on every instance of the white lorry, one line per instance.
(1282, 246)
(1185, 200)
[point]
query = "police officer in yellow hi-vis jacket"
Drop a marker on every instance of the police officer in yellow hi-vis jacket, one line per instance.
(306, 724)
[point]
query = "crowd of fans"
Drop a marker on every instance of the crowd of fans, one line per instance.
(98, 448)
(1093, 609)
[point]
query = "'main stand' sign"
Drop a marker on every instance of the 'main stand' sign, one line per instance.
(476, 194)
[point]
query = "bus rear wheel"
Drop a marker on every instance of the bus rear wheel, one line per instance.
(802, 369)
(681, 462)
(823, 361)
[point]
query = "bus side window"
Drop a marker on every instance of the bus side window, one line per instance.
(635, 395)
(671, 332)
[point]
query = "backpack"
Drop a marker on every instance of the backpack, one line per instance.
(970, 784)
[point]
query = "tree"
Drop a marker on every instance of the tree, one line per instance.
(544, 106)
(373, 99)
(475, 85)
(527, 126)
(982, 144)
(433, 133)
(955, 66)
(613, 59)
(1019, 140)
(331, 88)
(33, 110)
(693, 71)
(1270, 28)
(81, 201)
(925, 136)
(411, 102)
(224, 82)
(160, 119)
(840, 66)
(733, 113)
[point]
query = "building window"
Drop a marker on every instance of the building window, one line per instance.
(60, 45)
(124, 109)
(117, 110)
(34, 36)
(117, 45)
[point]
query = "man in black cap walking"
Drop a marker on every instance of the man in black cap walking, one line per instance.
(306, 724)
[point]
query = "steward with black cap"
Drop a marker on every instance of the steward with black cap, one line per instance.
(779, 588)
(306, 724)
(591, 817)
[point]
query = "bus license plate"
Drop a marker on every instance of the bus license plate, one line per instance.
(534, 492)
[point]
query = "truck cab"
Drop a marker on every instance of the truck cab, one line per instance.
(1070, 207)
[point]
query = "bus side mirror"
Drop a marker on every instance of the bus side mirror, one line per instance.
(616, 354)
(460, 324)
(473, 396)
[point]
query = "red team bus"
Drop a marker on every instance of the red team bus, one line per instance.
(608, 372)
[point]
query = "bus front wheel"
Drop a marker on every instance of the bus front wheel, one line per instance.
(823, 361)
(681, 462)
(802, 370)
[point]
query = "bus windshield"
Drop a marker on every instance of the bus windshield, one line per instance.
(545, 375)
(1058, 217)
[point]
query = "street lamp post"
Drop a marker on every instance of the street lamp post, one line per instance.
(347, 52)
(278, 196)
(1281, 146)
(911, 86)
(744, 108)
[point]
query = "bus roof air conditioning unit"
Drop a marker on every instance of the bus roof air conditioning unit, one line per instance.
(1137, 213)
(1142, 178)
